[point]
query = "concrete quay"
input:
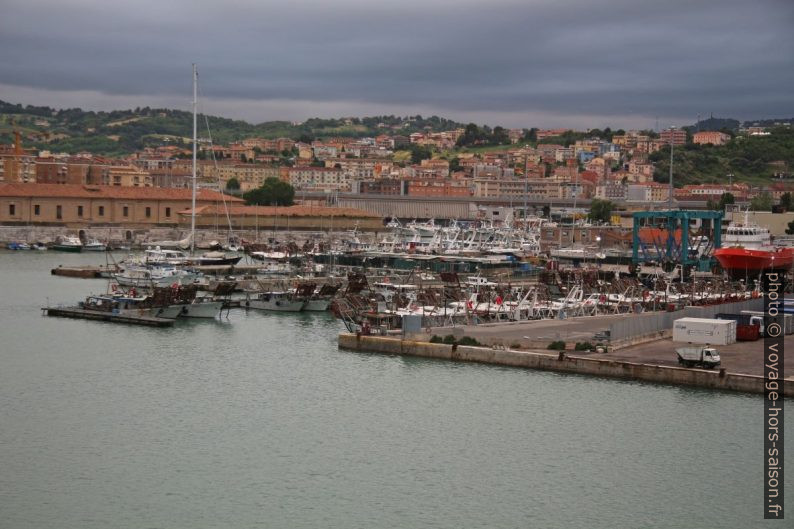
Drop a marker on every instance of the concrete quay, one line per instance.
(565, 363)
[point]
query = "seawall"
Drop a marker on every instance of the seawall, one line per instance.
(718, 379)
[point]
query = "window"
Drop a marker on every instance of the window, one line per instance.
(79, 211)
(101, 211)
(12, 209)
(37, 209)
(125, 211)
(148, 212)
(58, 212)
(167, 212)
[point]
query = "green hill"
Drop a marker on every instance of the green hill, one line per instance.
(754, 159)
(125, 131)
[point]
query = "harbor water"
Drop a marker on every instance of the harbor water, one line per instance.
(259, 420)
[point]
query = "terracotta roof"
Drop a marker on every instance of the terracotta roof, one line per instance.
(90, 191)
(282, 211)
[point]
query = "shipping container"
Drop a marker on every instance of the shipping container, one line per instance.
(704, 331)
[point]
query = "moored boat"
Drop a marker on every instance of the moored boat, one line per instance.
(275, 301)
(68, 244)
(94, 245)
(747, 247)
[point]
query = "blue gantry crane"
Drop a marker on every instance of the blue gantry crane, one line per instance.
(662, 245)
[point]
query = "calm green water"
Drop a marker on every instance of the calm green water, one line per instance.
(259, 421)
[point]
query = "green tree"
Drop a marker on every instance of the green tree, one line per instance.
(273, 191)
(232, 184)
(787, 201)
(790, 229)
(762, 202)
(600, 210)
(420, 152)
(725, 199)
(454, 164)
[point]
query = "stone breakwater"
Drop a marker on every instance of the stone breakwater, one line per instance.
(718, 379)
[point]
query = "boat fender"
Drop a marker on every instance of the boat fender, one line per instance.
(602, 298)
(645, 295)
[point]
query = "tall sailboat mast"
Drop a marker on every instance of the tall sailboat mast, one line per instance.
(195, 141)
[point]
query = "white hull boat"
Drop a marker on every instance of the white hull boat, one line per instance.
(200, 308)
(276, 301)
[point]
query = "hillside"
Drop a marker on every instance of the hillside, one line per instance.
(713, 123)
(124, 131)
(753, 159)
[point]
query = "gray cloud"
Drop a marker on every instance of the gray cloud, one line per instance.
(568, 62)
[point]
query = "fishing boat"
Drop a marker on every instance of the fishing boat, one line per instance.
(275, 301)
(68, 244)
(201, 307)
(130, 304)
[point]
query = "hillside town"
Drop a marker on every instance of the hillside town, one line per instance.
(418, 165)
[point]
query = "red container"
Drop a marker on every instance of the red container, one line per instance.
(747, 333)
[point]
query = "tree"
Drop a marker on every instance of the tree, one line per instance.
(762, 202)
(273, 191)
(787, 201)
(790, 229)
(725, 199)
(232, 184)
(419, 152)
(600, 210)
(454, 164)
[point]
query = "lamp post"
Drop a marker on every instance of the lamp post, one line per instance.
(670, 198)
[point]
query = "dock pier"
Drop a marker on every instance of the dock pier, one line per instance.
(564, 363)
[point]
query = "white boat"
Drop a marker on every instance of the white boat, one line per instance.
(158, 256)
(276, 301)
(94, 245)
(201, 307)
(131, 305)
(68, 244)
(142, 276)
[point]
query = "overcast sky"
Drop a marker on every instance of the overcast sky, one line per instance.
(518, 63)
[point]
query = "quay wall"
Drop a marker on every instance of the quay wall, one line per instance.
(563, 363)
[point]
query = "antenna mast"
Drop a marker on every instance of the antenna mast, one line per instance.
(193, 198)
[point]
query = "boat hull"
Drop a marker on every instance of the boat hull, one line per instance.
(317, 305)
(742, 259)
(207, 309)
(276, 305)
(225, 261)
(67, 248)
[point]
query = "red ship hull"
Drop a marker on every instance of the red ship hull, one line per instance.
(741, 259)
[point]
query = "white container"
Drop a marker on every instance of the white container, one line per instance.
(704, 331)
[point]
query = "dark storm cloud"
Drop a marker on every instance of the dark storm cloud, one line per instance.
(564, 58)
